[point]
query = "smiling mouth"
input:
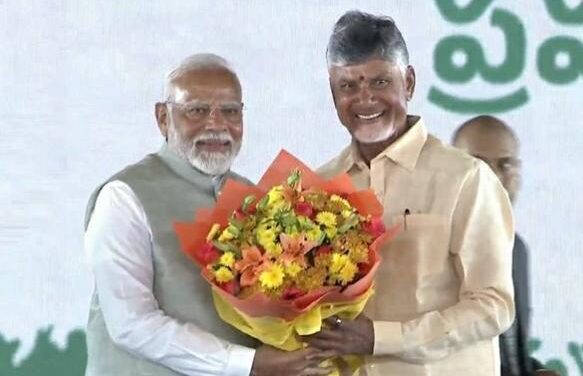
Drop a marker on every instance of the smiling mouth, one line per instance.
(214, 143)
(370, 116)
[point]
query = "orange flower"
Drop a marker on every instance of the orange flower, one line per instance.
(295, 248)
(250, 265)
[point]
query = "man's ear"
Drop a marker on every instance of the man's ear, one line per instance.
(410, 81)
(332, 91)
(161, 113)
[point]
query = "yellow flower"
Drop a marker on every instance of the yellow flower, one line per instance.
(227, 259)
(213, 232)
(346, 213)
(341, 200)
(314, 234)
(293, 269)
(276, 200)
(323, 260)
(273, 249)
(347, 273)
(275, 194)
(312, 278)
(331, 232)
(223, 274)
(267, 230)
(338, 262)
(310, 229)
(326, 218)
(358, 254)
(267, 236)
(272, 277)
(342, 269)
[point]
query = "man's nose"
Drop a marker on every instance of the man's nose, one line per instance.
(215, 119)
(365, 95)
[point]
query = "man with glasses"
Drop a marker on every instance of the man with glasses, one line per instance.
(151, 312)
(491, 140)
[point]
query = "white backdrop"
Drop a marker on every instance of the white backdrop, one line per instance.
(79, 80)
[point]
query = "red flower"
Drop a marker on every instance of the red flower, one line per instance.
(291, 293)
(232, 287)
(375, 227)
(207, 254)
(324, 250)
(239, 214)
(252, 208)
(303, 208)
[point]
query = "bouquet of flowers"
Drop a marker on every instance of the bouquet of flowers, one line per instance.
(289, 252)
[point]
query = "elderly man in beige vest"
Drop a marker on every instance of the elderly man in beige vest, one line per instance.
(444, 288)
(151, 312)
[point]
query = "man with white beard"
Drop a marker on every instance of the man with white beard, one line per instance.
(443, 291)
(151, 312)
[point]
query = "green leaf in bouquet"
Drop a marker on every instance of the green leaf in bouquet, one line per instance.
(349, 223)
(246, 202)
(305, 223)
(288, 221)
(218, 266)
(294, 178)
(233, 229)
(287, 218)
(262, 204)
(226, 247)
(236, 225)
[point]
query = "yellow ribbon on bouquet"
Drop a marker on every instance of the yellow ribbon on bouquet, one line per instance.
(282, 334)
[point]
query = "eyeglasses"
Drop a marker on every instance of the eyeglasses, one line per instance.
(197, 111)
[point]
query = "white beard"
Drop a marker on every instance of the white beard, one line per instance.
(208, 162)
(373, 134)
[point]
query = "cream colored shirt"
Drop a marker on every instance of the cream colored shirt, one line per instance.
(444, 289)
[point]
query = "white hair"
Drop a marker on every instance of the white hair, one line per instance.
(193, 63)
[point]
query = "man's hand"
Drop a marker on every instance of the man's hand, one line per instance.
(269, 361)
(354, 337)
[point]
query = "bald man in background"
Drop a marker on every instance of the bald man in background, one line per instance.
(491, 140)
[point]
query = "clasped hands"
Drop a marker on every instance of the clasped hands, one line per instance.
(338, 337)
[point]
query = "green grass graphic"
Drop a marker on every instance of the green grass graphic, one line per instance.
(46, 358)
